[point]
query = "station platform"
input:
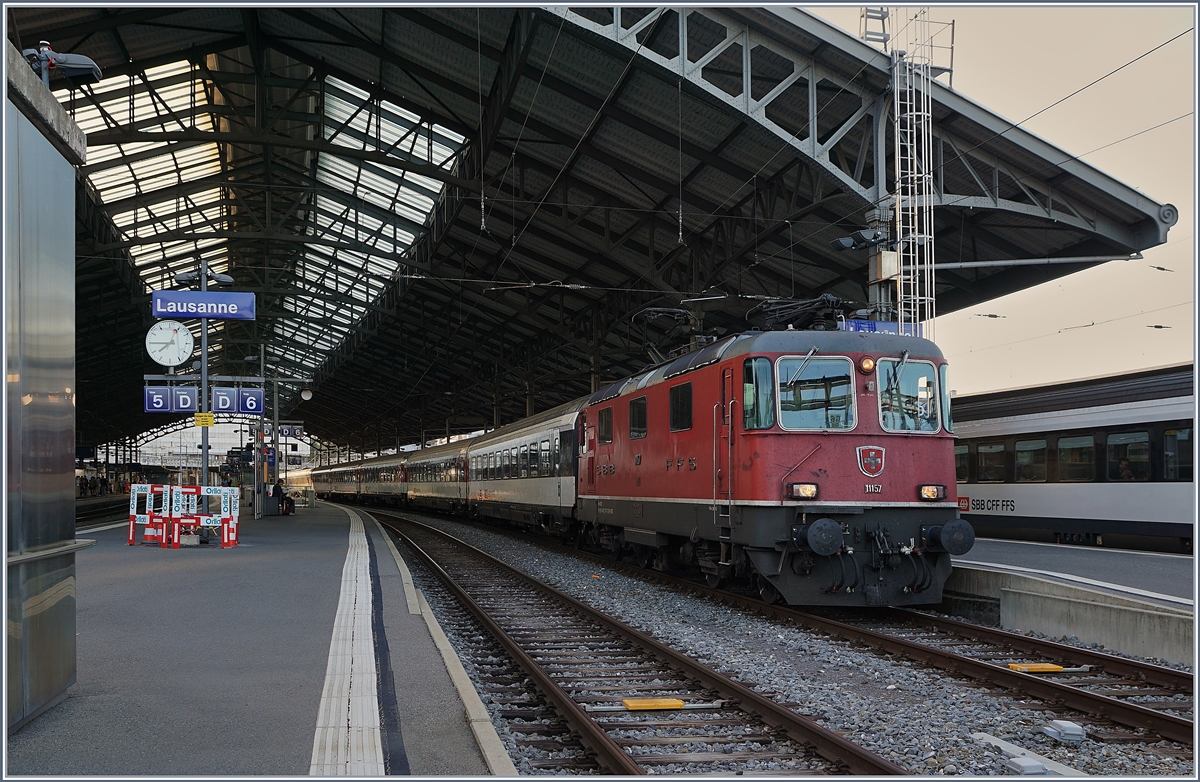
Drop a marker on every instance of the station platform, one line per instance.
(304, 650)
(1167, 580)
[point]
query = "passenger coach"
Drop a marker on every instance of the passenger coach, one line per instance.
(1102, 461)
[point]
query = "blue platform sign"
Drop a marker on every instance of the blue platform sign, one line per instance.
(185, 399)
(224, 400)
(222, 305)
(250, 401)
(157, 399)
(171, 399)
(880, 327)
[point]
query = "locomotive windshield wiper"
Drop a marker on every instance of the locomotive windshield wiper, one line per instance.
(800, 369)
(897, 370)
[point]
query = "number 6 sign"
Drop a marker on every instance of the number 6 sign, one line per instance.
(250, 401)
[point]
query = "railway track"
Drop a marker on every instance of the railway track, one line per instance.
(1126, 700)
(630, 702)
(100, 512)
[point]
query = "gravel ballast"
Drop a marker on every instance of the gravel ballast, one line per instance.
(913, 716)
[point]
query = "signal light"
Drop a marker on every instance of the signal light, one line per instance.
(866, 365)
(933, 491)
(802, 491)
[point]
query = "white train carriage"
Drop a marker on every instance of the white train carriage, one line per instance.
(437, 477)
(525, 472)
(383, 479)
(337, 482)
(1101, 462)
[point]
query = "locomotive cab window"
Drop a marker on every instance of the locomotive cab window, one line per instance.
(1129, 456)
(908, 400)
(816, 393)
(604, 424)
(1177, 454)
(947, 418)
(1030, 462)
(681, 407)
(637, 418)
(758, 394)
(1076, 459)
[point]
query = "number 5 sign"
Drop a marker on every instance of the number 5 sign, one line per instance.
(250, 401)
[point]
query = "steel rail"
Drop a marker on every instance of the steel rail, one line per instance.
(828, 744)
(1168, 726)
(1147, 672)
(591, 735)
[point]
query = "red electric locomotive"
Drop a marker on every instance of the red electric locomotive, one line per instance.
(820, 463)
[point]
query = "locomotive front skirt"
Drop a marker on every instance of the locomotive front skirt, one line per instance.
(819, 464)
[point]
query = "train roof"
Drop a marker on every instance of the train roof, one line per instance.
(1154, 384)
(783, 341)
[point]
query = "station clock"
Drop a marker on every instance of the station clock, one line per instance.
(170, 343)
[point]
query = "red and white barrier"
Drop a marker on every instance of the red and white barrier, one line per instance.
(173, 510)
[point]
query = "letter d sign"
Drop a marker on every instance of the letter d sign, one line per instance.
(224, 400)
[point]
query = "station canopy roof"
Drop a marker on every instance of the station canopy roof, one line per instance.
(458, 214)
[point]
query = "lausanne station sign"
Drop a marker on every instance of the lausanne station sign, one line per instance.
(202, 304)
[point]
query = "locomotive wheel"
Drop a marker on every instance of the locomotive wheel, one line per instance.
(714, 581)
(641, 557)
(767, 591)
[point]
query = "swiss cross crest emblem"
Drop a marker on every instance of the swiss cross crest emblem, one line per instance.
(870, 460)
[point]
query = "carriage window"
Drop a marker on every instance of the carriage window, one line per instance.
(557, 462)
(534, 459)
(907, 396)
(817, 394)
(962, 462)
(637, 418)
(604, 424)
(1129, 456)
(492, 466)
(947, 418)
(1177, 454)
(991, 462)
(1030, 461)
(1076, 459)
(681, 407)
(758, 394)
(524, 462)
(505, 472)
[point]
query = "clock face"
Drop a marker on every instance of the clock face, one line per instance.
(169, 342)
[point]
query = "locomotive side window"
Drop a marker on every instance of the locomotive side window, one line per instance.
(758, 394)
(604, 424)
(1030, 461)
(1077, 459)
(681, 407)
(907, 398)
(637, 418)
(991, 462)
(1129, 456)
(816, 393)
(962, 463)
(947, 418)
(1177, 454)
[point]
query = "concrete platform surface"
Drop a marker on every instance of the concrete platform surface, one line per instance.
(1140, 574)
(203, 661)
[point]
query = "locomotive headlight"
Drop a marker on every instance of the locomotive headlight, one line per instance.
(866, 365)
(933, 491)
(802, 491)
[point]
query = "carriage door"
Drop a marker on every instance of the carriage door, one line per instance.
(723, 443)
(587, 445)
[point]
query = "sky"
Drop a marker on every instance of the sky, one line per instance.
(1016, 61)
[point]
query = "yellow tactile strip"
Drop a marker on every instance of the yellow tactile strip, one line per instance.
(348, 740)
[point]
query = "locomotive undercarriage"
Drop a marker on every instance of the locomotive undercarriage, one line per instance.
(828, 556)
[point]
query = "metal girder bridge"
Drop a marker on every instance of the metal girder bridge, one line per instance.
(452, 212)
